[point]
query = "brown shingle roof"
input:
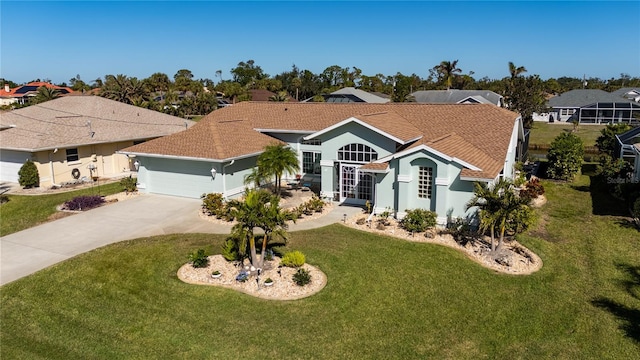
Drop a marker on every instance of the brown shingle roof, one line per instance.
(482, 132)
(81, 120)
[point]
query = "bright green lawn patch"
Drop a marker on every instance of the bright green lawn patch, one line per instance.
(385, 299)
(25, 211)
(544, 133)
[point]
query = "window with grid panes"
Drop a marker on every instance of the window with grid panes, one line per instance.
(425, 175)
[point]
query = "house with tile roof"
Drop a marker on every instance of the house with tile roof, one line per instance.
(629, 149)
(593, 106)
(396, 156)
(454, 96)
(21, 94)
(75, 137)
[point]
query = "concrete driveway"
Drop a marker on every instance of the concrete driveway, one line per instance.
(33, 249)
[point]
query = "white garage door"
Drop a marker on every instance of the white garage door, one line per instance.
(10, 163)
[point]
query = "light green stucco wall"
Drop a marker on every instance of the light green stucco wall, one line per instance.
(191, 178)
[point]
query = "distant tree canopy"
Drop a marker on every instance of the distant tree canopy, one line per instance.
(182, 94)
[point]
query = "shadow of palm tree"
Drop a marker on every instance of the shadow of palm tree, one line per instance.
(629, 316)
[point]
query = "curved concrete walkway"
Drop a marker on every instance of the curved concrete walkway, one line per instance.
(30, 250)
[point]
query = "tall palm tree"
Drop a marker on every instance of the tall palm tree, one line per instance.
(448, 70)
(510, 204)
(276, 159)
(516, 71)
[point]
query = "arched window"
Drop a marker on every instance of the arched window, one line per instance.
(357, 153)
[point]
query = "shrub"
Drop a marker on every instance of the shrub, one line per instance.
(301, 277)
(214, 205)
(129, 184)
(230, 250)
(293, 259)
(268, 280)
(28, 176)
(565, 157)
(418, 220)
(84, 202)
(199, 259)
(315, 204)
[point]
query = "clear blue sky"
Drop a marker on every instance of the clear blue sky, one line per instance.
(57, 40)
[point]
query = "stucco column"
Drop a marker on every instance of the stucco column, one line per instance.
(441, 208)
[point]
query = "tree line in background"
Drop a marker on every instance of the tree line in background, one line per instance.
(185, 96)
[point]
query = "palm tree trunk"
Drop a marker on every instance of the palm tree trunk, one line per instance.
(264, 250)
(254, 256)
(502, 229)
(493, 242)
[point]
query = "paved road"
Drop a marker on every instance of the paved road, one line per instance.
(33, 249)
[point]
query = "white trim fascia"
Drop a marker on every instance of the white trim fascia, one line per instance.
(467, 178)
(284, 131)
(442, 181)
(326, 162)
(192, 158)
(404, 178)
(431, 150)
(357, 121)
(376, 171)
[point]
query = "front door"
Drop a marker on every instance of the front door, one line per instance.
(355, 186)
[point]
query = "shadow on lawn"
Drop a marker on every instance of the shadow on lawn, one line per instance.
(630, 317)
(603, 203)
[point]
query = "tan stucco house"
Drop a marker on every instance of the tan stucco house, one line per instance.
(75, 137)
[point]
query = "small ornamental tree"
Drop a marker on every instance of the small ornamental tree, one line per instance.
(607, 141)
(28, 176)
(565, 157)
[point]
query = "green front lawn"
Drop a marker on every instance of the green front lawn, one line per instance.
(544, 133)
(385, 299)
(25, 211)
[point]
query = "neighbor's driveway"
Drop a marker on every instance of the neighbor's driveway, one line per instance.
(33, 249)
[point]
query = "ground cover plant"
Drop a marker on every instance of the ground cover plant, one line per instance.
(25, 211)
(385, 298)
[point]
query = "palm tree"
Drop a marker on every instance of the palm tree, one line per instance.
(45, 94)
(276, 159)
(448, 70)
(516, 71)
(249, 214)
(510, 205)
(274, 224)
(281, 96)
(489, 200)
(256, 177)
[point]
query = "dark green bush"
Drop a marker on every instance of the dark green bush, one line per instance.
(293, 259)
(302, 277)
(199, 259)
(418, 220)
(28, 176)
(129, 184)
(84, 202)
(565, 157)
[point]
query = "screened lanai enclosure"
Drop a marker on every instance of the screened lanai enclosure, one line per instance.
(605, 113)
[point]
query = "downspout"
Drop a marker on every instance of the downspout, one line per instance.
(53, 177)
(224, 183)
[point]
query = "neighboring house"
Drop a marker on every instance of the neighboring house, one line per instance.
(21, 94)
(265, 95)
(591, 106)
(458, 97)
(628, 93)
(68, 136)
(629, 149)
(353, 95)
(398, 156)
